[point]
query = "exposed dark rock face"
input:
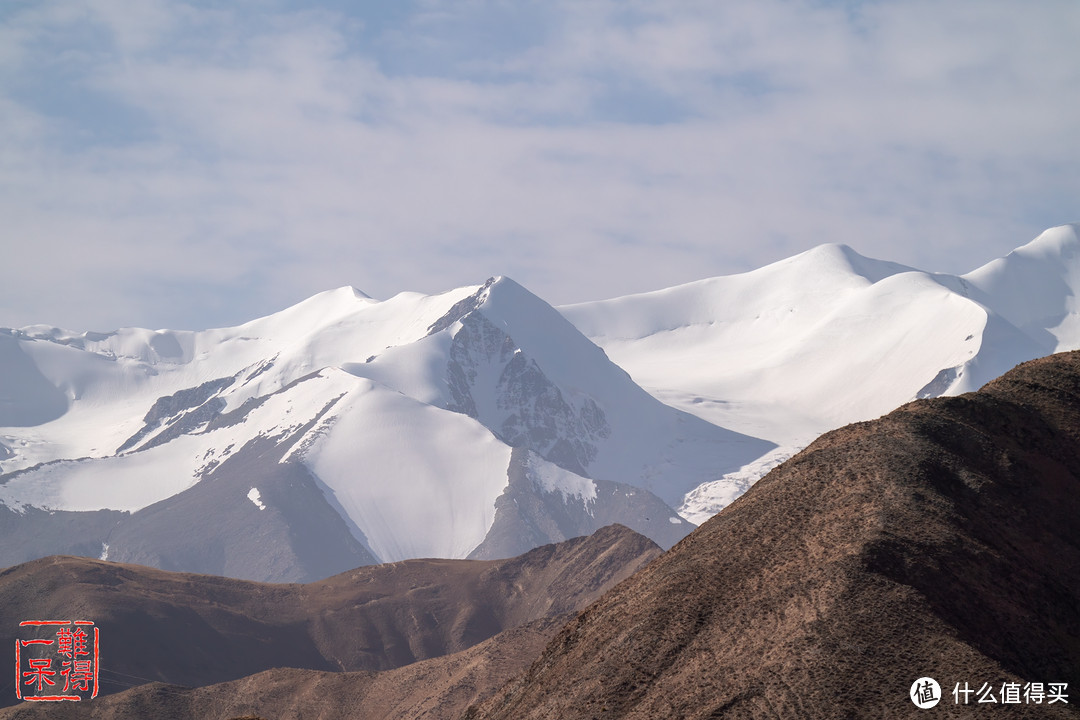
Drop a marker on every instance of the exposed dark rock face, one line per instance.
(941, 540)
(527, 514)
(181, 412)
(461, 308)
(527, 409)
(541, 419)
(478, 341)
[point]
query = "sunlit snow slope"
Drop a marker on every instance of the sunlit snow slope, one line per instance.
(393, 422)
(829, 337)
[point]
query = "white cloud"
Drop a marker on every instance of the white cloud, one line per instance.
(182, 166)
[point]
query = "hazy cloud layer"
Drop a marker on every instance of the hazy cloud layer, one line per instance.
(177, 164)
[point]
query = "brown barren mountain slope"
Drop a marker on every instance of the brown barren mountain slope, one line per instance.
(196, 630)
(941, 540)
(442, 687)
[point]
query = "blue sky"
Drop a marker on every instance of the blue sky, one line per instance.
(187, 165)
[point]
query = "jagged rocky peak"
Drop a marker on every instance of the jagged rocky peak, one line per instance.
(493, 379)
(462, 308)
(496, 378)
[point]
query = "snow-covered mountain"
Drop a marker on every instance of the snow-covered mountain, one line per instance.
(482, 422)
(340, 431)
(829, 337)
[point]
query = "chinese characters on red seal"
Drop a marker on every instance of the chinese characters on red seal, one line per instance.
(57, 660)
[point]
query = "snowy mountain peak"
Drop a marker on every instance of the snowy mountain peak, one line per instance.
(1034, 287)
(780, 299)
(462, 308)
(1055, 243)
(1054, 250)
(308, 315)
(758, 352)
(835, 260)
(566, 356)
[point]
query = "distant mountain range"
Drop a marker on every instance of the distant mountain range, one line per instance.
(482, 422)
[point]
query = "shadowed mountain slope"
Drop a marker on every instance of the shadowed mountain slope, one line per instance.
(196, 630)
(941, 540)
(441, 687)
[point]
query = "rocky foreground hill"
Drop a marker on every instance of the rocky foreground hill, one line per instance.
(941, 540)
(182, 629)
